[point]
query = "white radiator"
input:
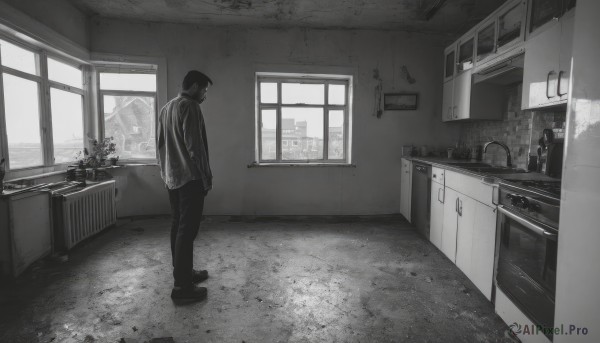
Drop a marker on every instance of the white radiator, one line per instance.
(87, 212)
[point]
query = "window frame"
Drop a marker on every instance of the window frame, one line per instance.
(127, 68)
(304, 78)
(45, 110)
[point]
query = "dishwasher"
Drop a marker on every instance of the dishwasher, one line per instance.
(421, 197)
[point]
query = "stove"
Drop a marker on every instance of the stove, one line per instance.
(526, 246)
(547, 188)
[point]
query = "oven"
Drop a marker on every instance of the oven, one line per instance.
(526, 255)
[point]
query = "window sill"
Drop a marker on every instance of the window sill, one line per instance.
(271, 165)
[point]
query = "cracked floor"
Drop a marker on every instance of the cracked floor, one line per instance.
(272, 279)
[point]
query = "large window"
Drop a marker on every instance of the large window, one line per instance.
(128, 102)
(303, 118)
(41, 107)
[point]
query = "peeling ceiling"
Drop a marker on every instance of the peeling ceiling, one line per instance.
(452, 17)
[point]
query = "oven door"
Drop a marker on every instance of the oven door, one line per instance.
(526, 265)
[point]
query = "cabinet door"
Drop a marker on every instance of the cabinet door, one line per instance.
(464, 233)
(405, 190)
(566, 52)
(466, 49)
(462, 95)
(447, 100)
(510, 26)
(449, 63)
(541, 68)
(486, 38)
(449, 224)
(482, 256)
(542, 12)
(436, 222)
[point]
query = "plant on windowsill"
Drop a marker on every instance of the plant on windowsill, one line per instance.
(96, 156)
(113, 160)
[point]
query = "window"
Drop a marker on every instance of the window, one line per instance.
(303, 118)
(37, 135)
(128, 102)
(66, 106)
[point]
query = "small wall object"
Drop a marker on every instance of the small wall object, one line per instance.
(400, 101)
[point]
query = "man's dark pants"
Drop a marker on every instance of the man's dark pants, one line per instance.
(187, 204)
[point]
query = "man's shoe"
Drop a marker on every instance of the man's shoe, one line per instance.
(189, 293)
(199, 276)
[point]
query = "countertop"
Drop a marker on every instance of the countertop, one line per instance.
(446, 163)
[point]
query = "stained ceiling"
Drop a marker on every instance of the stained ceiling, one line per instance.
(451, 17)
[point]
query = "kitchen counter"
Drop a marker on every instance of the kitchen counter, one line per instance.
(490, 177)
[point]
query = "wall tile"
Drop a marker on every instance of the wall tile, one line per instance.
(520, 130)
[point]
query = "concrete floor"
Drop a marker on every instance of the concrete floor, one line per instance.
(299, 279)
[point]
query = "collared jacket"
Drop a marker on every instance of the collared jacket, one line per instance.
(182, 144)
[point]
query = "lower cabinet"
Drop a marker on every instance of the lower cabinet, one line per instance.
(436, 223)
(468, 237)
(483, 249)
(450, 224)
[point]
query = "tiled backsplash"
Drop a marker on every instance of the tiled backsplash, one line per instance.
(518, 129)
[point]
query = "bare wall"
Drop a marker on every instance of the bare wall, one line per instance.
(231, 57)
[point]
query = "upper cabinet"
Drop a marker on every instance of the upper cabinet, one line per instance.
(486, 41)
(460, 100)
(540, 29)
(548, 54)
(510, 25)
(501, 34)
(544, 12)
(449, 61)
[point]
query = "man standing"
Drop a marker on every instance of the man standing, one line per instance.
(184, 167)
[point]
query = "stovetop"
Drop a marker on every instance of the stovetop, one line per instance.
(547, 188)
(535, 199)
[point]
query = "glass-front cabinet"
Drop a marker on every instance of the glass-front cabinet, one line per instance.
(486, 38)
(449, 60)
(502, 32)
(465, 55)
(545, 11)
(510, 24)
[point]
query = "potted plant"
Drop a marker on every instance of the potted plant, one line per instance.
(113, 160)
(98, 153)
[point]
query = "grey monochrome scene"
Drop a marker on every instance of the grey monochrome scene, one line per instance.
(299, 171)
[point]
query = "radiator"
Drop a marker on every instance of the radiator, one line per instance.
(87, 212)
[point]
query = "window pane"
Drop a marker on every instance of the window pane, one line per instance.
(336, 135)
(298, 93)
(268, 93)
(67, 124)
(485, 41)
(268, 134)
(509, 26)
(130, 120)
(64, 73)
(305, 127)
(128, 82)
(18, 58)
(22, 121)
(337, 94)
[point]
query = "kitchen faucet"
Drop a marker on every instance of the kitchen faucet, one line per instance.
(508, 158)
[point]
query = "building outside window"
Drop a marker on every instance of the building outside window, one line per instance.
(41, 107)
(311, 112)
(128, 103)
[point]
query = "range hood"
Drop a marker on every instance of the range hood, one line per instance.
(503, 73)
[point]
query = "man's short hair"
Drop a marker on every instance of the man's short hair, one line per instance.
(195, 76)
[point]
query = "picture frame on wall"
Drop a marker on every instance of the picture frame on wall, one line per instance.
(400, 101)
